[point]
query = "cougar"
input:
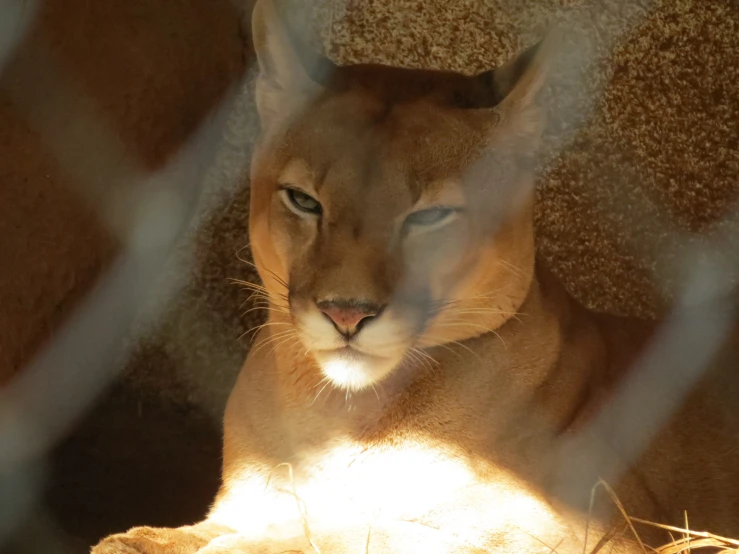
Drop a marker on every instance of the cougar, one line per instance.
(423, 384)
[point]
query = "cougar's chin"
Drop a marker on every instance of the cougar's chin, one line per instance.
(352, 370)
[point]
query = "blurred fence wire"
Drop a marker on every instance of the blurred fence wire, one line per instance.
(148, 213)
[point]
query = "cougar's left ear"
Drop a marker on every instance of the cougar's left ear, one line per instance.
(289, 72)
(515, 87)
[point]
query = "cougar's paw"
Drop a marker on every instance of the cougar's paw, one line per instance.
(153, 540)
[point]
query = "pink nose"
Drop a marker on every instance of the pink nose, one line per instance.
(348, 316)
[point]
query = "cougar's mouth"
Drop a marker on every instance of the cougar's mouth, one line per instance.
(352, 369)
(349, 352)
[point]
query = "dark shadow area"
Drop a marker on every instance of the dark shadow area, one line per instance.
(131, 461)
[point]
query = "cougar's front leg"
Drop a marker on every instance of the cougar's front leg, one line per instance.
(162, 540)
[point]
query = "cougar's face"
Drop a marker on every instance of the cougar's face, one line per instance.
(389, 213)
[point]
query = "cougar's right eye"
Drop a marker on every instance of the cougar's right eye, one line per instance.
(299, 202)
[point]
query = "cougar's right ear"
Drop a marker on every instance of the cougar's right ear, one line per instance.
(516, 86)
(289, 74)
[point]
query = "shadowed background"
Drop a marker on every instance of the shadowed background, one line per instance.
(642, 166)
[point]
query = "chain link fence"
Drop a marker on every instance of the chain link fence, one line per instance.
(156, 316)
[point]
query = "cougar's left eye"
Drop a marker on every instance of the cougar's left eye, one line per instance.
(430, 218)
(299, 202)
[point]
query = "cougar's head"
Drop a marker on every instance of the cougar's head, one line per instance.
(390, 208)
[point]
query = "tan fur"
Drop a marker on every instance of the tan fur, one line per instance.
(445, 429)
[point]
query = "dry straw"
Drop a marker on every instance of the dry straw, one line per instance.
(689, 540)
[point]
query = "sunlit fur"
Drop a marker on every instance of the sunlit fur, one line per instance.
(444, 424)
(371, 160)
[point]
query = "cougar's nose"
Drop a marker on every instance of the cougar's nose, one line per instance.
(349, 316)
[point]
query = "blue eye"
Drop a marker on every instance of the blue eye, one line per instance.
(429, 217)
(299, 201)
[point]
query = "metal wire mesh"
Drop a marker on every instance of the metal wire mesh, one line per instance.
(156, 216)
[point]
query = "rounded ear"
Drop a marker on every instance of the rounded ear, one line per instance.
(289, 73)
